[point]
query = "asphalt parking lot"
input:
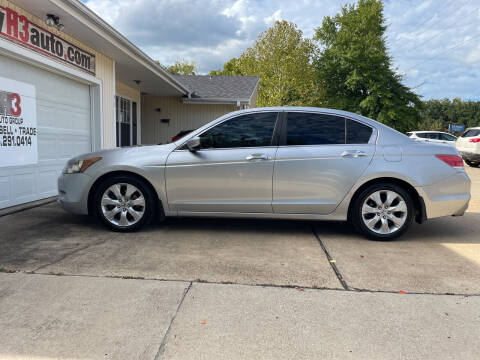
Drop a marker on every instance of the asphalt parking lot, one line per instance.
(234, 289)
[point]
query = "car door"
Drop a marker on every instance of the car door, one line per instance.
(448, 139)
(320, 158)
(230, 172)
(434, 137)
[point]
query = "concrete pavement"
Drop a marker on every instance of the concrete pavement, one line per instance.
(245, 322)
(55, 317)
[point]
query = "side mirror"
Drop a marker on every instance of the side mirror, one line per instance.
(193, 144)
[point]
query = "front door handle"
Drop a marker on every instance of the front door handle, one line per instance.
(254, 157)
(354, 154)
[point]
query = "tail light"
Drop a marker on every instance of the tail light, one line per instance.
(175, 138)
(477, 140)
(452, 160)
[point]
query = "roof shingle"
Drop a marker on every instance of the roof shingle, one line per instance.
(219, 87)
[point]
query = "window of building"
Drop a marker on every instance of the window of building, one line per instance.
(126, 120)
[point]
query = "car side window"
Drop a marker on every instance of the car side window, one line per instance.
(315, 129)
(250, 130)
(447, 137)
(357, 133)
(433, 136)
(422, 135)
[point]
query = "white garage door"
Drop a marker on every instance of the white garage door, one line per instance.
(63, 128)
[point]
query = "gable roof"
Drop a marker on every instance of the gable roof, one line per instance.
(219, 89)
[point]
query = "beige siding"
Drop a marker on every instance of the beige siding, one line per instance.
(127, 91)
(105, 68)
(105, 71)
(182, 117)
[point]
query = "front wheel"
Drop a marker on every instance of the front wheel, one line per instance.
(124, 203)
(382, 211)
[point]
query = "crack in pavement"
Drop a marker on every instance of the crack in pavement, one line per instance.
(332, 262)
(280, 286)
(161, 348)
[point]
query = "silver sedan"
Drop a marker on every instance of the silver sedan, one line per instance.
(282, 162)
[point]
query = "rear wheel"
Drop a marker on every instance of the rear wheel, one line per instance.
(471, 163)
(124, 203)
(382, 211)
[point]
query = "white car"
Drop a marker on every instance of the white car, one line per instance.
(468, 145)
(436, 137)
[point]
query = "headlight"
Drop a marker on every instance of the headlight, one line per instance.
(79, 166)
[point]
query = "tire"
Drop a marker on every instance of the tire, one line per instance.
(471, 163)
(382, 224)
(124, 203)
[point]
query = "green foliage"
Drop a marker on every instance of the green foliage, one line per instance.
(355, 69)
(283, 60)
(183, 68)
(437, 114)
(230, 68)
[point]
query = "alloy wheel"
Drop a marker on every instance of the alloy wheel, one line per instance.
(384, 211)
(123, 204)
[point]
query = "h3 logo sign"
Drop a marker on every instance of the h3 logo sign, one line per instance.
(10, 104)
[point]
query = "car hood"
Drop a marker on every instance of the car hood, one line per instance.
(127, 152)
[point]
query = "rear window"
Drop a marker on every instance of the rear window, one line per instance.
(471, 133)
(315, 129)
(358, 133)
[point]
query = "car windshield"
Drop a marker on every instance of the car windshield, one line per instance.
(471, 133)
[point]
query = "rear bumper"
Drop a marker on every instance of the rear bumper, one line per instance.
(466, 155)
(73, 192)
(450, 196)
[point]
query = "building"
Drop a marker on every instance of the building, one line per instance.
(70, 84)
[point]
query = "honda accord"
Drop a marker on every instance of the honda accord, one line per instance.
(279, 162)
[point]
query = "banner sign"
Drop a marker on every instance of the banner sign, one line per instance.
(18, 123)
(456, 128)
(19, 29)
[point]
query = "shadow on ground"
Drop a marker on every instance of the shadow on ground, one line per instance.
(48, 240)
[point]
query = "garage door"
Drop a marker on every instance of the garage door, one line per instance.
(63, 131)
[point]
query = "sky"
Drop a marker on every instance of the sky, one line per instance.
(435, 44)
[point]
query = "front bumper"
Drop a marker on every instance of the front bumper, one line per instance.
(73, 192)
(470, 156)
(449, 197)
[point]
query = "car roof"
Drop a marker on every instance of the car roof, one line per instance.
(312, 109)
(428, 131)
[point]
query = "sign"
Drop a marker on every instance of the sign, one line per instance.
(19, 29)
(18, 123)
(456, 128)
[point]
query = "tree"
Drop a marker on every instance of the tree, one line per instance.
(230, 68)
(356, 71)
(438, 114)
(283, 60)
(183, 68)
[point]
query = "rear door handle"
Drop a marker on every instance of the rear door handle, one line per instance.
(254, 157)
(354, 154)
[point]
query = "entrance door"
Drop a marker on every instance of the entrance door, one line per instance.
(321, 159)
(231, 172)
(126, 111)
